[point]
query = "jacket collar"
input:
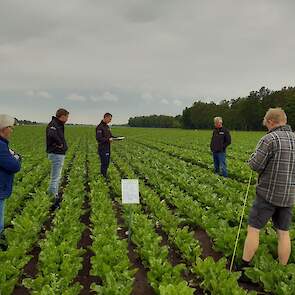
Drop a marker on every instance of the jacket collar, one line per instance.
(4, 140)
(281, 128)
(56, 120)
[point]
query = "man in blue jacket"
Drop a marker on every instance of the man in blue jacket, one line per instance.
(10, 163)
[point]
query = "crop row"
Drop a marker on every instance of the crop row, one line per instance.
(60, 260)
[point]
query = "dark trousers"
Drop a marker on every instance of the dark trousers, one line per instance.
(220, 161)
(104, 156)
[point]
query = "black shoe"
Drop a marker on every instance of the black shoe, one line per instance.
(56, 204)
(243, 278)
(3, 243)
(242, 269)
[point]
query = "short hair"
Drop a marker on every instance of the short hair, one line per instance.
(61, 112)
(107, 115)
(277, 115)
(217, 119)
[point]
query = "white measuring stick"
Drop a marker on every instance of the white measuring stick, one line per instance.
(241, 220)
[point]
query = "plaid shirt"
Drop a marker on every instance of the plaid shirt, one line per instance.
(274, 160)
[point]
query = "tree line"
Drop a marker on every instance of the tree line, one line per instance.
(243, 113)
(156, 121)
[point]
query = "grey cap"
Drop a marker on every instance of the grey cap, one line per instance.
(6, 120)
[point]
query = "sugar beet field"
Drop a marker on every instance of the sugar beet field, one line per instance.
(183, 232)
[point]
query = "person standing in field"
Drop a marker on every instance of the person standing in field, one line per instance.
(220, 140)
(104, 138)
(274, 160)
(56, 150)
(10, 163)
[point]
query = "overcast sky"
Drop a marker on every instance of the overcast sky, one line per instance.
(139, 57)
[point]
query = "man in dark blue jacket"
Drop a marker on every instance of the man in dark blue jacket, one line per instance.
(56, 148)
(104, 138)
(10, 163)
(220, 140)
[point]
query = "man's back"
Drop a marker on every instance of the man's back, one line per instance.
(274, 159)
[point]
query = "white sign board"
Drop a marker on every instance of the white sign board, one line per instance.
(130, 191)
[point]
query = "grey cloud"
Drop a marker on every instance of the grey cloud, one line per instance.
(39, 94)
(144, 53)
(141, 11)
(76, 97)
(21, 20)
(106, 96)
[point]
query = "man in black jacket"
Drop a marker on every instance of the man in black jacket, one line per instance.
(56, 149)
(220, 140)
(104, 138)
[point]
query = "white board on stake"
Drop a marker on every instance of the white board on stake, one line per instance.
(130, 191)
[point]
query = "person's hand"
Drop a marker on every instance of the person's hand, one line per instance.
(111, 139)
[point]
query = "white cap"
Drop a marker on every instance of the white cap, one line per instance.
(5, 121)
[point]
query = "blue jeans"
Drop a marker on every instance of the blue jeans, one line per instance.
(57, 162)
(2, 215)
(220, 161)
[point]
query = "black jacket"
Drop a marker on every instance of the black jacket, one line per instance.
(220, 140)
(55, 138)
(103, 135)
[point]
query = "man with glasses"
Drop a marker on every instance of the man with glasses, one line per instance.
(274, 161)
(10, 163)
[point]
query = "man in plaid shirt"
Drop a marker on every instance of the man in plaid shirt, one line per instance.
(274, 160)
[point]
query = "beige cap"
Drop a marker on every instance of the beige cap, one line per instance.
(6, 120)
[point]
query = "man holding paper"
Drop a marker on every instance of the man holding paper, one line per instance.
(104, 138)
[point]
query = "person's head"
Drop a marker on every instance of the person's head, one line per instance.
(274, 117)
(107, 118)
(218, 122)
(6, 126)
(62, 115)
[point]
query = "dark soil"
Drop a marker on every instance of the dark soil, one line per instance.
(20, 290)
(84, 277)
(174, 256)
(175, 259)
(141, 285)
(206, 244)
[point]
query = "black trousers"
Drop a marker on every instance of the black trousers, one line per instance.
(104, 156)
